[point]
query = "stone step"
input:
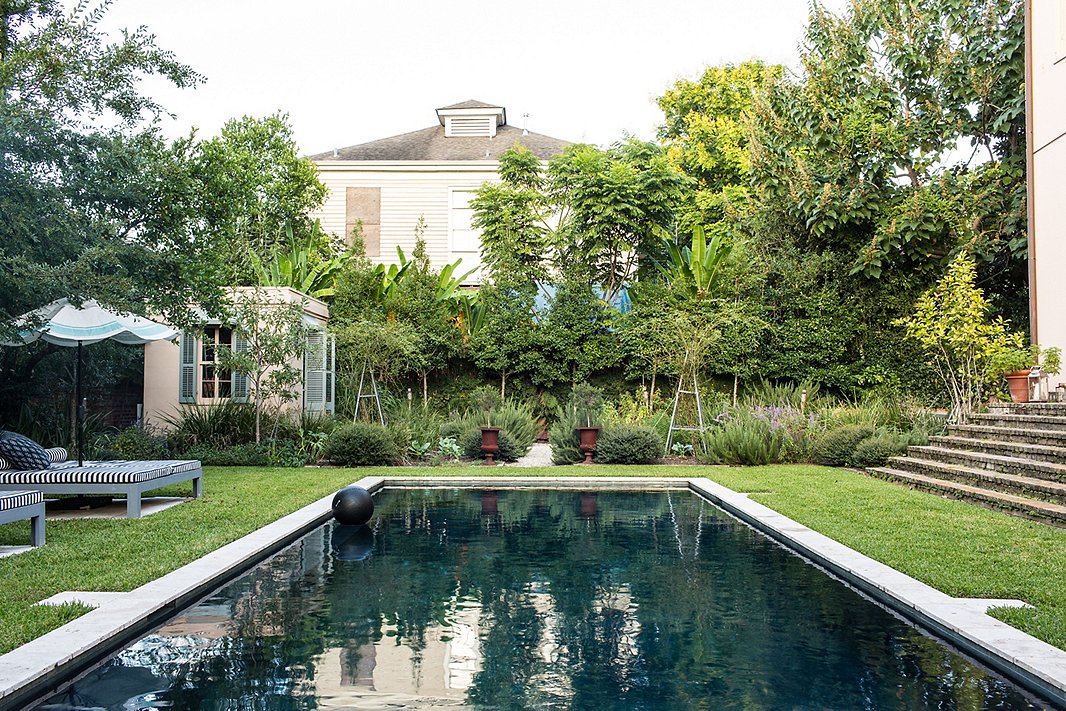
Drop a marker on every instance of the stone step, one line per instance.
(1005, 464)
(1010, 503)
(1029, 408)
(1038, 452)
(1025, 486)
(1056, 423)
(1050, 438)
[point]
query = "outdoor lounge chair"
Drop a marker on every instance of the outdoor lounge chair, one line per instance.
(22, 505)
(131, 478)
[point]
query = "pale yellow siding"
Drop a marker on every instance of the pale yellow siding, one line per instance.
(409, 190)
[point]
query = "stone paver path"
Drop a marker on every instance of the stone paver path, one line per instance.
(540, 455)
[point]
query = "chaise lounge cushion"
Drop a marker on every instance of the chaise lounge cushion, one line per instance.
(21, 452)
(16, 499)
(115, 472)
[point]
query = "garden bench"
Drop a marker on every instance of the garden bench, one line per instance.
(22, 505)
(131, 478)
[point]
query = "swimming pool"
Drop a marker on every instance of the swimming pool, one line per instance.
(545, 599)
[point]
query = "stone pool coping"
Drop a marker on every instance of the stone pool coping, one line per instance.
(35, 670)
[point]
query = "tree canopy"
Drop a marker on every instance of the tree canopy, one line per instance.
(95, 202)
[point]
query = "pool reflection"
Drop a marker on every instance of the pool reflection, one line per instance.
(538, 599)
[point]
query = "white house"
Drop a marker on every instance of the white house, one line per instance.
(1045, 81)
(188, 372)
(388, 185)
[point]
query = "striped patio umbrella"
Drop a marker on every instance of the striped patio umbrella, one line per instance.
(65, 324)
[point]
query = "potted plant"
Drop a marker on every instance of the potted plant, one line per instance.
(487, 400)
(588, 403)
(1017, 363)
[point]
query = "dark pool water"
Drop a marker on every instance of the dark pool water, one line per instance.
(538, 600)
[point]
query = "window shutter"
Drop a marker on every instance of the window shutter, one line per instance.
(187, 370)
(315, 372)
(240, 379)
(331, 374)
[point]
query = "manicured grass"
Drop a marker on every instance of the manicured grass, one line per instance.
(961, 549)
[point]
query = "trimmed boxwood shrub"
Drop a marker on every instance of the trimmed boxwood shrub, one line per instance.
(360, 444)
(837, 447)
(875, 450)
(629, 444)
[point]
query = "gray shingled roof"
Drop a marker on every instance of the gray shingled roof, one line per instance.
(471, 104)
(430, 144)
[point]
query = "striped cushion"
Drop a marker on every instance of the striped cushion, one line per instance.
(92, 473)
(4, 464)
(16, 499)
(185, 466)
(56, 454)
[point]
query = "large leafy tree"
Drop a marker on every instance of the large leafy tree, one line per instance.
(593, 214)
(257, 194)
(706, 131)
(903, 138)
(94, 202)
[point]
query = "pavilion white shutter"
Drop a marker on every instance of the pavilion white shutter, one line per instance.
(315, 369)
(240, 379)
(187, 370)
(331, 374)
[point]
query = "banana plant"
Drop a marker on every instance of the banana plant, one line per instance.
(471, 313)
(696, 271)
(294, 268)
(389, 277)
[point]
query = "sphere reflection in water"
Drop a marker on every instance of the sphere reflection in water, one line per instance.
(353, 542)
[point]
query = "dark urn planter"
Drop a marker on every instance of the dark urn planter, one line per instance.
(1018, 382)
(588, 437)
(490, 445)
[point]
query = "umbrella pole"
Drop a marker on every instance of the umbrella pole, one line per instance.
(78, 407)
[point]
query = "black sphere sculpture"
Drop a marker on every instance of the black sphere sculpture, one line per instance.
(353, 506)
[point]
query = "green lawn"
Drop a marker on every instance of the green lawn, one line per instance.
(961, 549)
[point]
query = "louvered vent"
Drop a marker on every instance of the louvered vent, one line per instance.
(455, 126)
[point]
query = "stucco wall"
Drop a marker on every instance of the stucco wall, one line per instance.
(162, 360)
(1047, 179)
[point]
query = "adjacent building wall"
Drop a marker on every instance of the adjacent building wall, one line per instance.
(1046, 116)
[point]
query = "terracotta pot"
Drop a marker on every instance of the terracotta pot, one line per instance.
(588, 437)
(490, 444)
(1018, 382)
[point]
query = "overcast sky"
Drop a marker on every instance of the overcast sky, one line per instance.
(350, 71)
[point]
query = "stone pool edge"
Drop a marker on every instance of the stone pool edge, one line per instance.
(33, 670)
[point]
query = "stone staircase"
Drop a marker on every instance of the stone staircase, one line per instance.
(1012, 458)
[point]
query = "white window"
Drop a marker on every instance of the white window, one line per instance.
(216, 383)
(201, 377)
(464, 240)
